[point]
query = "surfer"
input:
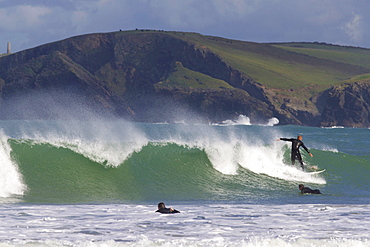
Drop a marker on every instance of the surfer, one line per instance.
(306, 190)
(163, 210)
(296, 144)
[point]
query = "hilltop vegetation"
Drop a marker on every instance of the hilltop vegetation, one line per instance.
(157, 76)
(286, 65)
(342, 54)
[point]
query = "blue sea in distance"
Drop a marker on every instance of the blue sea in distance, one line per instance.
(97, 183)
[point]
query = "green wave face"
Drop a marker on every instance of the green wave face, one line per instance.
(46, 162)
(164, 172)
(55, 174)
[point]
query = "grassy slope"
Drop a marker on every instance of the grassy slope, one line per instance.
(302, 69)
(280, 67)
(363, 77)
(342, 54)
(191, 79)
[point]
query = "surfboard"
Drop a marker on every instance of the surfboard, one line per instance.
(316, 172)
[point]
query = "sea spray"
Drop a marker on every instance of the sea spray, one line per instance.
(10, 178)
(228, 156)
(228, 149)
(273, 121)
(105, 142)
(244, 120)
(175, 162)
(241, 120)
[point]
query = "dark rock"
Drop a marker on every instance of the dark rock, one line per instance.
(348, 104)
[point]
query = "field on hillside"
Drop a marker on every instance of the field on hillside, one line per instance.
(191, 79)
(284, 67)
(342, 54)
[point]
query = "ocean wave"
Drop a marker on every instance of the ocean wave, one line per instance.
(244, 120)
(11, 182)
(135, 161)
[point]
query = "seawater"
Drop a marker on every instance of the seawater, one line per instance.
(97, 183)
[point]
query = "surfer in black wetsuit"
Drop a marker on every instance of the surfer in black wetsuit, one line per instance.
(306, 190)
(163, 210)
(296, 144)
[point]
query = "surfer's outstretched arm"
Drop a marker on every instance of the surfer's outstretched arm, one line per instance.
(285, 139)
(305, 148)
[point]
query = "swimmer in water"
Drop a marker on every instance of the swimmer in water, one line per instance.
(306, 190)
(163, 210)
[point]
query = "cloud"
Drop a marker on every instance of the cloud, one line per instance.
(23, 17)
(28, 23)
(354, 28)
(199, 14)
(172, 14)
(104, 2)
(79, 18)
(235, 9)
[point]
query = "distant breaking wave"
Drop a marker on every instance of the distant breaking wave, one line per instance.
(333, 127)
(244, 120)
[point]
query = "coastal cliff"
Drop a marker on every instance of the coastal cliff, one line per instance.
(347, 104)
(155, 76)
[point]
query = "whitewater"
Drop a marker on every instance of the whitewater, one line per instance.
(97, 183)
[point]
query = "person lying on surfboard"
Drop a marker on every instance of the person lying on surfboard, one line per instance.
(306, 190)
(163, 210)
(296, 144)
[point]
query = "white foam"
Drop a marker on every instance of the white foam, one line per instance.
(333, 127)
(269, 160)
(241, 120)
(227, 149)
(223, 156)
(227, 152)
(196, 225)
(10, 178)
(273, 121)
(244, 120)
(108, 143)
(111, 143)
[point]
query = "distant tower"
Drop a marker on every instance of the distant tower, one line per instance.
(8, 49)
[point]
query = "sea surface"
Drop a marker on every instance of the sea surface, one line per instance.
(98, 183)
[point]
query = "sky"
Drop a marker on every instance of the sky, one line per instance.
(30, 23)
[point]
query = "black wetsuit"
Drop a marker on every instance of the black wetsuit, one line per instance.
(296, 155)
(167, 211)
(306, 190)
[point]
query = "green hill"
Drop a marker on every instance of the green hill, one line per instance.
(343, 54)
(149, 75)
(285, 65)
